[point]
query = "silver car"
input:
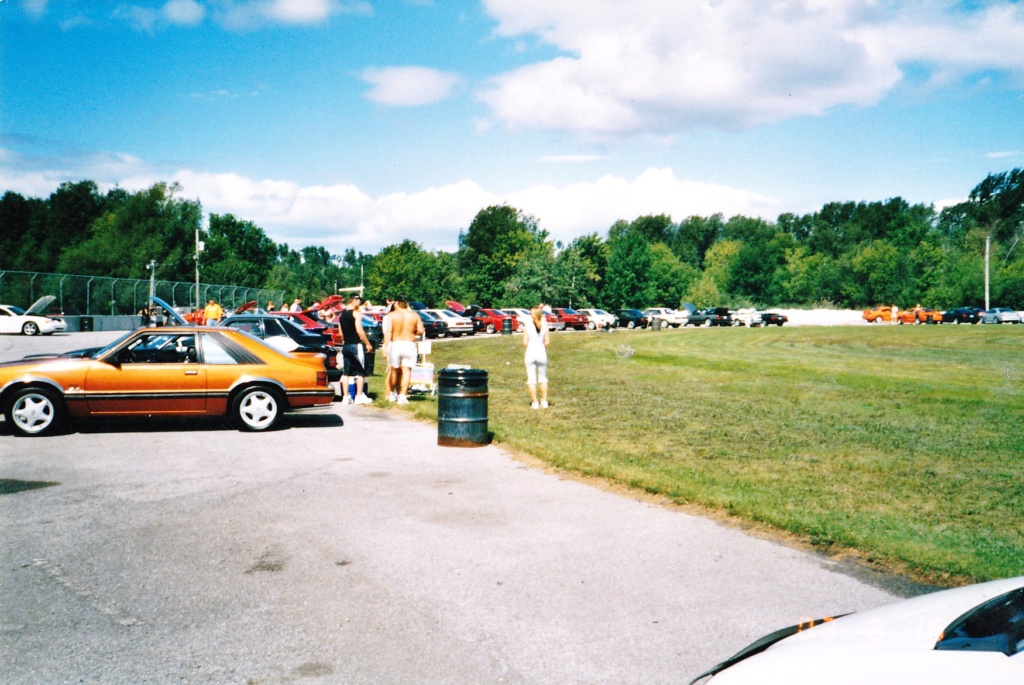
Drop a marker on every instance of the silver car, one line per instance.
(1000, 315)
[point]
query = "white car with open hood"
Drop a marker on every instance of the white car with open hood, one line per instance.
(971, 634)
(30, 321)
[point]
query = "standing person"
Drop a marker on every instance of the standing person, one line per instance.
(385, 329)
(297, 305)
(212, 313)
(400, 330)
(536, 340)
(270, 306)
(895, 311)
(353, 342)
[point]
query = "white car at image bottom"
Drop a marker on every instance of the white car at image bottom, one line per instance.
(972, 634)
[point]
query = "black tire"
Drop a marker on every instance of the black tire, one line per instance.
(491, 328)
(878, 319)
(708, 323)
(256, 409)
(34, 412)
(631, 324)
(30, 328)
(592, 325)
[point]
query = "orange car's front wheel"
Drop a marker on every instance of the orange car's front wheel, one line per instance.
(35, 411)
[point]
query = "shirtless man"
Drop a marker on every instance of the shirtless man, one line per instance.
(400, 330)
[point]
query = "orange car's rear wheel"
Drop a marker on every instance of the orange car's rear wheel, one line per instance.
(256, 409)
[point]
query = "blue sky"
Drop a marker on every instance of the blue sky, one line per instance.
(360, 123)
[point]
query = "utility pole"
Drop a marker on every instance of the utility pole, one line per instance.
(199, 248)
(988, 240)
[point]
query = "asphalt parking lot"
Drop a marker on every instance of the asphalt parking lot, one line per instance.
(347, 547)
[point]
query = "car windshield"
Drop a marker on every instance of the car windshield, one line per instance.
(104, 350)
(17, 310)
(995, 626)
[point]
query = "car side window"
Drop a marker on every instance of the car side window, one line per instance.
(159, 348)
(274, 328)
(214, 353)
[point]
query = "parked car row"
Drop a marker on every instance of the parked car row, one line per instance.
(926, 315)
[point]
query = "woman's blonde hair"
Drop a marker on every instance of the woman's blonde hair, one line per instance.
(538, 316)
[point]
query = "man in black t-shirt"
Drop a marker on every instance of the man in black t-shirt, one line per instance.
(353, 343)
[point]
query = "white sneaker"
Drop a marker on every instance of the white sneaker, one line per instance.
(543, 404)
(402, 399)
(361, 398)
(393, 397)
(346, 400)
(535, 405)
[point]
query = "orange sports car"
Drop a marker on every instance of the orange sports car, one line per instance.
(171, 371)
(919, 315)
(878, 314)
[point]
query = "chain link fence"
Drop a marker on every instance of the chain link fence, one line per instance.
(106, 296)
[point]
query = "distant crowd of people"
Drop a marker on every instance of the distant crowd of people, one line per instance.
(401, 327)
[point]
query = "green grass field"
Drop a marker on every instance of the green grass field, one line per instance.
(905, 444)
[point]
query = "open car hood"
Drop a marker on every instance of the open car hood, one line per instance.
(40, 305)
(175, 316)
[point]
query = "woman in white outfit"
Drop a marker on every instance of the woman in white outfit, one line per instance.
(536, 339)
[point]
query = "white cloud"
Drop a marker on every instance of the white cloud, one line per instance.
(653, 66)
(140, 18)
(183, 12)
(251, 14)
(1004, 154)
(570, 159)
(35, 8)
(409, 86)
(345, 216)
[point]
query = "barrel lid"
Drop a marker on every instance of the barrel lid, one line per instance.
(462, 373)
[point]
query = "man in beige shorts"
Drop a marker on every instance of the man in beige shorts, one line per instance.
(401, 327)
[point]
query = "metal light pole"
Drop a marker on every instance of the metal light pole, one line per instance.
(988, 240)
(199, 248)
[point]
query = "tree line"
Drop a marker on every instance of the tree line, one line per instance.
(845, 255)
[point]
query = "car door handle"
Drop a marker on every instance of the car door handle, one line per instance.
(191, 373)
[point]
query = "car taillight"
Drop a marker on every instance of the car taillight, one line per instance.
(321, 379)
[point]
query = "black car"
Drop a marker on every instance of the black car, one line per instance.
(962, 315)
(631, 318)
(433, 327)
(713, 316)
(773, 319)
(269, 326)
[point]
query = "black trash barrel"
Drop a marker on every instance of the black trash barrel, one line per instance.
(506, 326)
(462, 408)
(85, 324)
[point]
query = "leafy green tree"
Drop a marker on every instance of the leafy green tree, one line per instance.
(628, 281)
(579, 272)
(693, 237)
(150, 224)
(20, 219)
(236, 252)
(669, 277)
(880, 273)
(491, 250)
(405, 269)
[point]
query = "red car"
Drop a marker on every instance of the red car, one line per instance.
(572, 318)
(491, 320)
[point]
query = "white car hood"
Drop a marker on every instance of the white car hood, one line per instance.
(892, 644)
(40, 305)
(911, 624)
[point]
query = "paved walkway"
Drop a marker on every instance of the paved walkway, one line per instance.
(350, 548)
